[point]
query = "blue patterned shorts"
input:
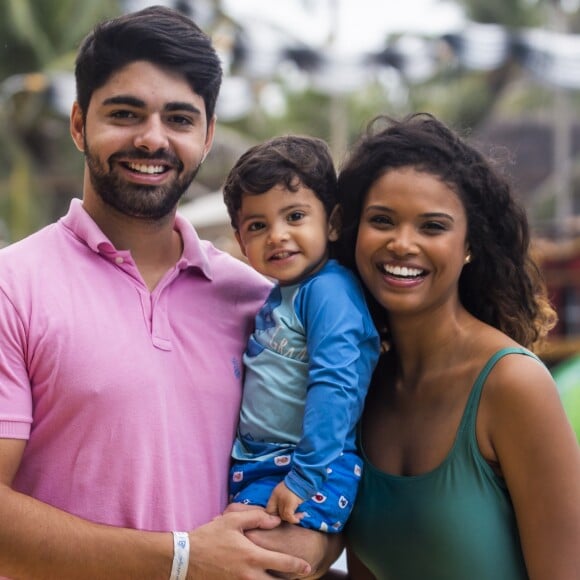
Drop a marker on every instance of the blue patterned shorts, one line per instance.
(252, 483)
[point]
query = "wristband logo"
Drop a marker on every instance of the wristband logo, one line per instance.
(180, 556)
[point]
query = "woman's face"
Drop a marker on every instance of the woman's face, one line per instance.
(411, 244)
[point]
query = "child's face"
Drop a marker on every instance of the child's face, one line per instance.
(284, 234)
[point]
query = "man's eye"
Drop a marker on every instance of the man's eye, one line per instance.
(181, 120)
(123, 114)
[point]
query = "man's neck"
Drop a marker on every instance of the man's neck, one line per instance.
(155, 245)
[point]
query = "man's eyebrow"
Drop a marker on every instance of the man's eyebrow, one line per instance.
(182, 106)
(124, 100)
(141, 104)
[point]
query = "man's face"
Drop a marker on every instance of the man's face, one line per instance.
(144, 138)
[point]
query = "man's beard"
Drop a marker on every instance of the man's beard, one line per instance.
(150, 202)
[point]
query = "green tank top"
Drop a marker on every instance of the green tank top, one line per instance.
(456, 522)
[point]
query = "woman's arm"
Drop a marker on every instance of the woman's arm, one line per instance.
(319, 549)
(539, 457)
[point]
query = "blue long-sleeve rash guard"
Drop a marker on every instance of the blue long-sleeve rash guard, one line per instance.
(308, 366)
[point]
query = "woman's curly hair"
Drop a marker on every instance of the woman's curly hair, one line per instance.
(502, 285)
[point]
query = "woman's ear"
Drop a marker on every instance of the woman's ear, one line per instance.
(468, 255)
(335, 223)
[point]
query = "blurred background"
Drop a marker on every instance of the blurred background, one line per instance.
(505, 73)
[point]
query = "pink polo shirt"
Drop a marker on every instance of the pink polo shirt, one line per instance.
(128, 398)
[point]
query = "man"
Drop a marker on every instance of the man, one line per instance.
(121, 338)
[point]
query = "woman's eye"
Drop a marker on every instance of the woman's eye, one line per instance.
(381, 220)
(434, 227)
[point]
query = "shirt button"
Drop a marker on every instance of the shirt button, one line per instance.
(119, 260)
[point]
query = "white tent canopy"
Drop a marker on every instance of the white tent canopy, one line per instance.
(206, 211)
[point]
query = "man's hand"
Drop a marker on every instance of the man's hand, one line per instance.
(220, 550)
(284, 503)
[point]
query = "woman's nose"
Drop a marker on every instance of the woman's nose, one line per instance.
(402, 242)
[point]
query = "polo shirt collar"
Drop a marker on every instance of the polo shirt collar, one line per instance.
(80, 223)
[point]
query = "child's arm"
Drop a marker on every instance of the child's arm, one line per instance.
(343, 348)
(284, 503)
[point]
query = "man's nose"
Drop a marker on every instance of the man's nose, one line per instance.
(152, 135)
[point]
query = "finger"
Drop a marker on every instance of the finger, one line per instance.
(285, 564)
(271, 506)
(288, 515)
(241, 507)
(251, 519)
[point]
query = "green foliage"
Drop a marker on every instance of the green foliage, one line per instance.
(37, 36)
(510, 13)
(309, 112)
(42, 35)
(36, 32)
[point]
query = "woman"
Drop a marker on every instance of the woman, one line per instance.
(472, 471)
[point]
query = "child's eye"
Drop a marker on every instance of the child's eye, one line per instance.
(295, 216)
(255, 226)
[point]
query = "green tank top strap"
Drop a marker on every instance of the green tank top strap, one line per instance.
(470, 413)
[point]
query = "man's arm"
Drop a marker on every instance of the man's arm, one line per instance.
(40, 541)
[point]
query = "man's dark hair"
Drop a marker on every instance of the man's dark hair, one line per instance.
(162, 36)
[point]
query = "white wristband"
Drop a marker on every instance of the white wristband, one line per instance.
(180, 556)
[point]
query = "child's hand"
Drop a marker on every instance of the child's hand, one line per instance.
(284, 503)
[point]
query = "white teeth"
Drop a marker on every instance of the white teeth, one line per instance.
(281, 255)
(402, 271)
(142, 168)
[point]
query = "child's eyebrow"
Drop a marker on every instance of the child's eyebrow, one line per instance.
(252, 216)
(292, 206)
(284, 209)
